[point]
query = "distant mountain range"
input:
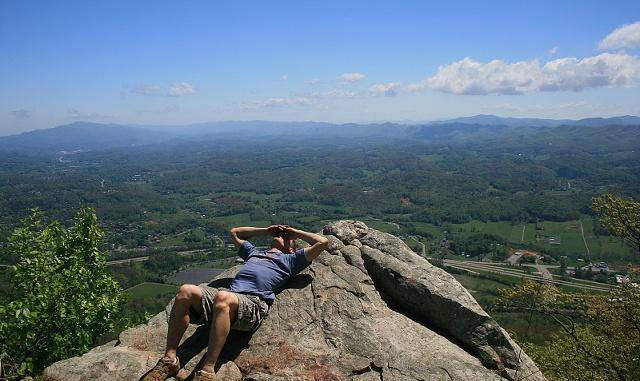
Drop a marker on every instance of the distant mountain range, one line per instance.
(95, 136)
(493, 120)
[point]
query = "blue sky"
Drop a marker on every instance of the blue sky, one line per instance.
(343, 61)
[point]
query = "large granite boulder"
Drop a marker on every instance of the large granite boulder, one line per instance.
(367, 309)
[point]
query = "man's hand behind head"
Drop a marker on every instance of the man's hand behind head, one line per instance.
(276, 230)
(289, 232)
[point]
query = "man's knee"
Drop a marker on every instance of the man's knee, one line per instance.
(186, 294)
(224, 301)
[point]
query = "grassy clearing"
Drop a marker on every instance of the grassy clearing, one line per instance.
(433, 158)
(485, 291)
(600, 246)
(241, 219)
(171, 241)
(384, 226)
(429, 229)
(253, 196)
(568, 232)
(150, 290)
(504, 229)
(309, 219)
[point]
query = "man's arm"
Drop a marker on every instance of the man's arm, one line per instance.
(240, 234)
(318, 243)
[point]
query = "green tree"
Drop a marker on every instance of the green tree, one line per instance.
(599, 336)
(195, 236)
(562, 270)
(619, 216)
(62, 297)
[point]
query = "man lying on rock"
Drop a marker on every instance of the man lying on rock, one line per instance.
(245, 304)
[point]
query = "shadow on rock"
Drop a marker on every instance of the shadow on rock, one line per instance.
(298, 282)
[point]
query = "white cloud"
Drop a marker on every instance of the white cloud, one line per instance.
(471, 77)
(389, 89)
(280, 102)
(76, 114)
(147, 90)
(498, 77)
(553, 51)
(315, 99)
(415, 87)
(312, 81)
(335, 93)
(351, 77)
(180, 89)
(21, 114)
(626, 36)
(539, 108)
(175, 90)
(505, 107)
(598, 71)
(276, 103)
(284, 77)
(165, 110)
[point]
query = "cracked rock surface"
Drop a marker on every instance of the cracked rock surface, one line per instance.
(368, 309)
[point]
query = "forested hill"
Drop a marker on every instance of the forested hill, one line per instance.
(502, 132)
(81, 136)
(558, 139)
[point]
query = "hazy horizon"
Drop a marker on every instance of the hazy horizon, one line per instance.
(399, 122)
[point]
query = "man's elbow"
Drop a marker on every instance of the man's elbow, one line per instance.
(233, 232)
(323, 243)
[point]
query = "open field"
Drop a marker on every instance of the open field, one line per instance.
(385, 226)
(484, 291)
(150, 290)
(567, 233)
(504, 229)
(241, 219)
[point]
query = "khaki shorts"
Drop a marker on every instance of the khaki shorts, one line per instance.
(251, 310)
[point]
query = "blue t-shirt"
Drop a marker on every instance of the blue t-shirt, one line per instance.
(263, 272)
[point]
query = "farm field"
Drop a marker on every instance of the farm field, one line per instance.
(241, 219)
(150, 290)
(504, 229)
(567, 233)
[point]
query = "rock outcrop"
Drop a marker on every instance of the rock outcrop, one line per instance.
(367, 309)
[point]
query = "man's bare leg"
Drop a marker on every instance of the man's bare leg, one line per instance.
(188, 296)
(225, 311)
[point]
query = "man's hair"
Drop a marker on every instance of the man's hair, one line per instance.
(286, 243)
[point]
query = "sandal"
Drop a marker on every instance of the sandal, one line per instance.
(206, 376)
